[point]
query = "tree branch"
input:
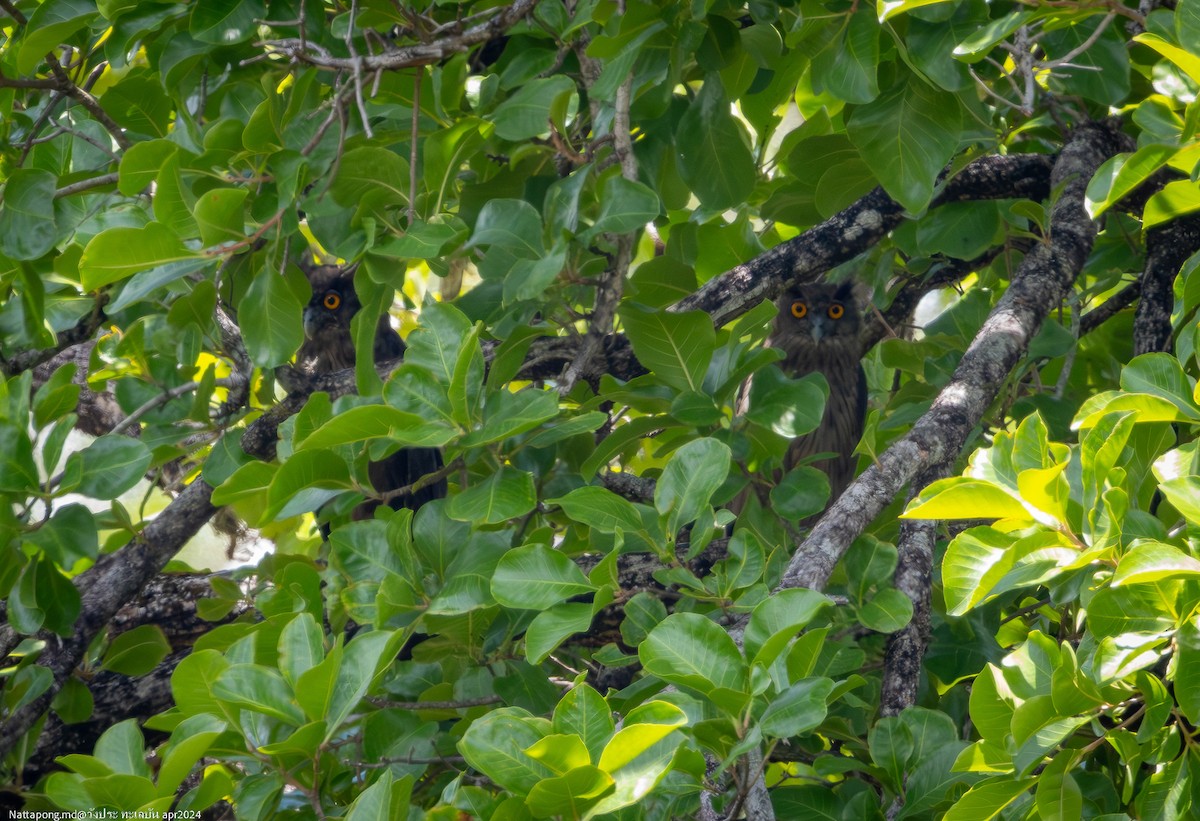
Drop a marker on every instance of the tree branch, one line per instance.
(1168, 247)
(423, 54)
(847, 234)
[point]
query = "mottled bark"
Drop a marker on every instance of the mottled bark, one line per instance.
(1168, 247)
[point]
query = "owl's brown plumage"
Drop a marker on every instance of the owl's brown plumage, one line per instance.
(329, 347)
(817, 328)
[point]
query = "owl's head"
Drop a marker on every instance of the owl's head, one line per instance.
(818, 313)
(333, 302)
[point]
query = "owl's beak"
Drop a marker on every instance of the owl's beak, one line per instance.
(312, 322)
(818, 329)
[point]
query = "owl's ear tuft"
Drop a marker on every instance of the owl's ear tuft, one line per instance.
(852, 291)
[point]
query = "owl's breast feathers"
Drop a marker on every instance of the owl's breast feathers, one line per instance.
(842, 423)
(329, 347)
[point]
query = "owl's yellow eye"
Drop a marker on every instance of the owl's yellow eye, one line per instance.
(332, 300)
(799, 309)
(836, 311)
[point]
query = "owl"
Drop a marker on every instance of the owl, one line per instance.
(329, 347)
(817, 328)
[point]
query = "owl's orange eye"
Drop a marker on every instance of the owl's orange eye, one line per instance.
(332, 300)
(799, 309)
(836, 311)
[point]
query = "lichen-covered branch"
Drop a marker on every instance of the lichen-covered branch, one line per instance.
(1168, 247)
(855, 229)
(421, 54)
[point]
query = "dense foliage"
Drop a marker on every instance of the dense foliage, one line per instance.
(577, 213)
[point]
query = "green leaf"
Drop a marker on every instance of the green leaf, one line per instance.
(1162, 375)
(138, 104)
(529, 112)
(123, 749)
(108, 466)
(691, 477)
(1120, 175)
(506, 494)
(583, 712)
(977, 46)
(51, 23)
(511, 414)
(798, 710)
(20, 473)
(529, 278)
(570, 795)
(301, 647)
(360, 664)
(1135, 608)
(534, 577)
(117, 253)
(789, 407)
(1176, 199)
(1183, 493)
(779, 618)
(975, 560)
(218, 214)
(639, 755)
(495, 746)
(1098, 69)
(712, 154)
(690, 651)
(847, 66)
(960, 498)
(887, 611)
(1150, 562)
(375, 802)
(678, 347)
(70, 535)
(260, 690)
(906, 137)
(887, 9)
(421, 240)
(416, 391)
(193, 680)
(141, 163)
(988, 799)
(314, 687)
(1186, 60)
(248, 481)
(437, 341)
(367, 422)
(27, 228)
(370, 171)
(599, 509)
(446, 151)
(803, 492)
(550, 628)
(624, 206)
(304, 469)
(1187, 21)
(269, 316)
(514, 225)
(225, 22)
(137, 651)
(190, 740)
(43, 597)
(1145, 407)
(1187, 669)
